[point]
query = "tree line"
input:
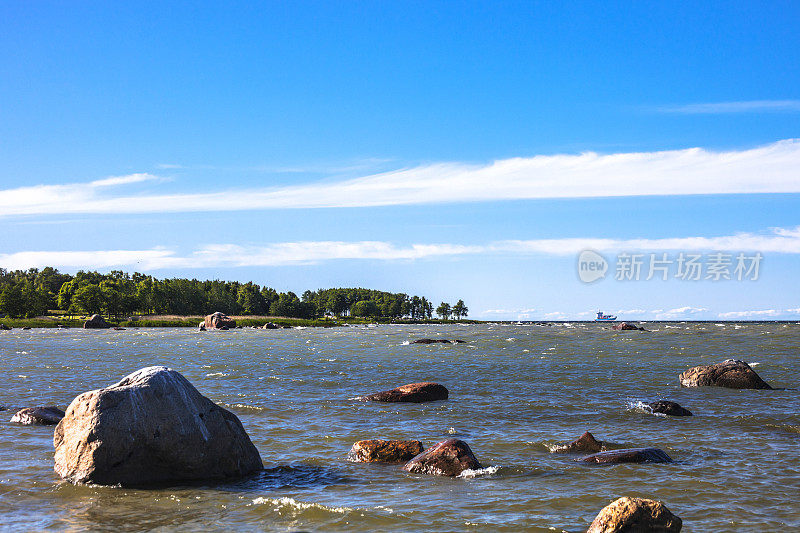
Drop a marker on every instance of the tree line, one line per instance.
(33, 292)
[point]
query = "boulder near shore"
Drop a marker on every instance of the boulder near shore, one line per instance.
(635, 515)
(629, 455)
(153, 427)
(96, 322)
(411, 393)
(666, 407)
(730, 373)
(586, 443)
(38, 416)
(384, 451)
(447, 458)
(219, 321)
(624, 326)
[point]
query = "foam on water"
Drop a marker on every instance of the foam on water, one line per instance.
(480, 472)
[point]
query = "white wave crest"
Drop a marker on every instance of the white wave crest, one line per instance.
(470, 473)
(292, 505)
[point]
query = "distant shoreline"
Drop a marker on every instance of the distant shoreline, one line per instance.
(258, 321)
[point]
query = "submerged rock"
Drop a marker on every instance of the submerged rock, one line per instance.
(629, 455)
(413, 393)
(384, 451)
(118, 328)
(219, 321)
(730, 373)
(38, 416)
(667, 407)
(447, 458)
(3, 327)
(624, 326)
(635, 515)
(26, 328)
(202, 326)
(586, 443)
(270, 325)
(152, 427)
(439, 341)
(96, 322)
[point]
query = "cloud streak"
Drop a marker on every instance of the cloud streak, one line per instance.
(766, 169)
(749, 106)
(778, 240)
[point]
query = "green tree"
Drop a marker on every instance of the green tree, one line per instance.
(11, 302)
(89, 299)
(460, 309)
(443, 310)
(365, 308)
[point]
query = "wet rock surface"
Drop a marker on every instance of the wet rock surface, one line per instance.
(447, 458)
(586, 443)
(635, 515)
(437, 341)
(219, 321)
(384, 451)
(730, 373)
(96, 322)
(625, 326)
(667, 407)
(38, 416)
(628, 455)
(153, 427)
(413, 393)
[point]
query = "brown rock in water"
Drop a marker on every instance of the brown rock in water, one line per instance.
(270, 325)
(730, 373)
(586, 443)
(384, 451)
(96, 322)
(669, 408)
(153, 427)
(38, 416)
(624, 326)
(219, 321)
(630, 455)
(447, 458)
(3, 327)
(412, 393)
(635, 515)
(202, 326)
(435, 341)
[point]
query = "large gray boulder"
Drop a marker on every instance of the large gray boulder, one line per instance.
(219, 321)
(635, 515)
(153, 427)
(730, 373)
(96, 322)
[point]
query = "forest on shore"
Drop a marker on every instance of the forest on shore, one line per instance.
(31, 293)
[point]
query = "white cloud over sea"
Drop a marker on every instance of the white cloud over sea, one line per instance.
(747, 106)
(776, 240)
(766, 169)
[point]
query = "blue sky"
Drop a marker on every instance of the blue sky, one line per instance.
(454, 150)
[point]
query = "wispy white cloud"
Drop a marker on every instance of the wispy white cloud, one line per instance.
(748, 106)
(680, 312)
(766, 169)
(779, 240)
(760, 313)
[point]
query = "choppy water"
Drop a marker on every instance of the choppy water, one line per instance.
(515, 391)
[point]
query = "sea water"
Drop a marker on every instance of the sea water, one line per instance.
(516, 392)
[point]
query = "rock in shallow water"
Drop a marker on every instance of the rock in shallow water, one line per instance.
(412, 393)
(629, 455)
(666, 407)
(96, 322)
(384, 451)
(153, 427)
(635, 515)
(586, 443)
(219, 320)
(447, 458)
(38, 416)
(624, 326)
(435, 341)
(730, 373)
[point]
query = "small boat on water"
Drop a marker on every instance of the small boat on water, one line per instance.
(605, 318)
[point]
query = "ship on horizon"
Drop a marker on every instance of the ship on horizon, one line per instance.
(605, 318)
